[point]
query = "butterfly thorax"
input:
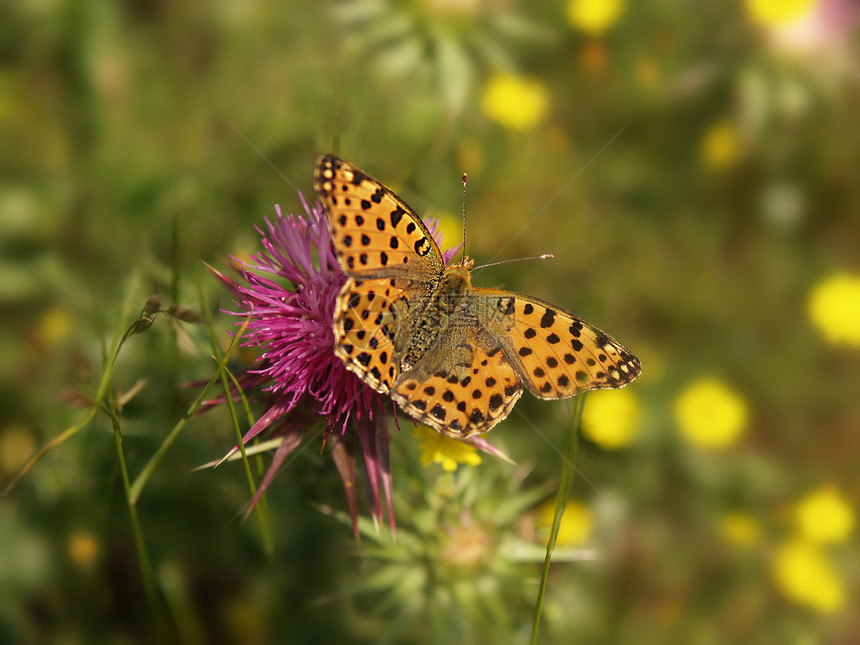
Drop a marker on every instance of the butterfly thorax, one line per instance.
(435, 315)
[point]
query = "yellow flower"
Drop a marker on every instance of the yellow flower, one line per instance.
(740, 529)
(515, 103)
(575, 526)
(710, 414)
(594, 17)
(451, 228)
(721, 145)
(54, 325)
(610, 418)
(834, 307)
(82, 549)
(824, 515)
(437, 448)
(775, 13)
(803, 573)
(17, 444)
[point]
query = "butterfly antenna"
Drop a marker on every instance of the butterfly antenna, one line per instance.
(545, 256)
(465, 177)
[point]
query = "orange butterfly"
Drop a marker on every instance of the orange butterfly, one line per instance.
(451, 355)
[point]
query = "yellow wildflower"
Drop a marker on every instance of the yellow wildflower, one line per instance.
(594, 17)
(451, 228)
(54, 325)
(721, 145)
(515, 103)
(17, 444)
(437, 448)
(82, 549)
(824, 515)
(740, 529)
(710, 414)
(610, 418)
(776, 13)
(834, 307)
(575, 526)
(803, 573)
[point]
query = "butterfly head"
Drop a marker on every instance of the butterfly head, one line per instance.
(457, 278)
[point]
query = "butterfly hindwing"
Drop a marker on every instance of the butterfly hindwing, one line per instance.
(460, 397)
(557, 354)
(375, 233)
(365, 325)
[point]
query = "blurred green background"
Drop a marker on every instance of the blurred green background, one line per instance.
(717, 236)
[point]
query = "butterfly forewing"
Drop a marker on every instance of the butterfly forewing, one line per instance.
(558, 354)
(375, 233)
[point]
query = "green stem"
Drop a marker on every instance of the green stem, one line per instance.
(226, 377)
(101, 391)
(141, 480)
(146, 573)
(568, 471)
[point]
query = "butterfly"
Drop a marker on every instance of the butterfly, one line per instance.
(451, 355)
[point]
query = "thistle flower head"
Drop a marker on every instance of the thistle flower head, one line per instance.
(288, 302)
(291, 318)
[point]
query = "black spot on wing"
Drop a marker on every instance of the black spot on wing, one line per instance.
(547, 319)
(496, 402)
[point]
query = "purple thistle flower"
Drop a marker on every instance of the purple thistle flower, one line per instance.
(289, 301)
